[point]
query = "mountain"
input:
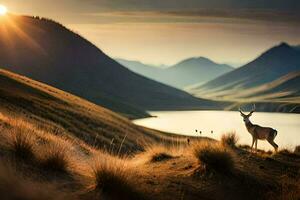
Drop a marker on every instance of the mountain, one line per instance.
(271, 65)
(272, 81)
(149, 71)
(187, 72)
(48, 52)
(195, 71)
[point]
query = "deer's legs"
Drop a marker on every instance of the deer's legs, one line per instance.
(256, 145)
(273, 144)
(252, 143)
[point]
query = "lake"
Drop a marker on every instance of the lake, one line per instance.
(214, 123)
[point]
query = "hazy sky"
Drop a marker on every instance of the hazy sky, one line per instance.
(166, 31)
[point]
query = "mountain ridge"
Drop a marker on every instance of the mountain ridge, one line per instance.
(183, 74)
(70, 62)
(266, 67)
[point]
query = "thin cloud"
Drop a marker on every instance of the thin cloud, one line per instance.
(201, 15)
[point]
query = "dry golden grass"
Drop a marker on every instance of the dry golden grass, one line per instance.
(288, 153)
(289, 189)
(229, 139)
(297, 150)
(99, 175)
(158, 153)
(214, 157)
(22, 144)
(113, 178)
(54, 157)
(160, 170)
(13, 186)
(75, 118)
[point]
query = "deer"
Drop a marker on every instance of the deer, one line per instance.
(258, 132)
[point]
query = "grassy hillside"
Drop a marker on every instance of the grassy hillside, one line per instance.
(54, 145)
(67, 114)
(67, 61)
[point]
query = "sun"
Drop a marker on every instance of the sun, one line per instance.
(3, 10)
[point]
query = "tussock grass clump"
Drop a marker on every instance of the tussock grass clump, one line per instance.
(158, 153)
(15, 187)
(288, 153)
(22, 144)
(297, 150)
(229, 139)
(114, 180)
(213, 157)
(54, 157)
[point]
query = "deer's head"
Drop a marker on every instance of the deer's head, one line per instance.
(247, 116)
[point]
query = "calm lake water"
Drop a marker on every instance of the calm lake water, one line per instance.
(186, 122)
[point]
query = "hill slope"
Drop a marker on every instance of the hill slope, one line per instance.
(183, 74)
(271, 81)
(68, 115)
(274, 63)
(48, 52)
(54, 145)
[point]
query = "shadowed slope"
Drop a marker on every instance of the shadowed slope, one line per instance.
(274, 63)
(69, 115)
(271, 81)
(48, 52)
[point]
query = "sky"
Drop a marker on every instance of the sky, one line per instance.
(167, 31)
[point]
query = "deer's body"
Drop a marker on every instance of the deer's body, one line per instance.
(259, 132)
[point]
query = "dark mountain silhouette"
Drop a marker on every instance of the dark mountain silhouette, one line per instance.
(187, 72)
(271, 65)
(48, 52)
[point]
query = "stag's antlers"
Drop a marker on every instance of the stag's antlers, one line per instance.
(252, 111)
(241, 111)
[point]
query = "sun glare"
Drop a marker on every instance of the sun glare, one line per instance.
(3, 10)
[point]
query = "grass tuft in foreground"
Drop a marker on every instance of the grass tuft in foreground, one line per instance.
(22, 144)
(297, 150)
(158, 153)
(213, 157)
(114, 180)
(229, 139)
(14, 186)
(54, 157)
(288, 153)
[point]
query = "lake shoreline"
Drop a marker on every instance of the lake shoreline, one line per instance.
(213, 124)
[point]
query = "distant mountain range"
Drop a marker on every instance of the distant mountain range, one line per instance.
(181, 75)
(273, 77)
(46, 51)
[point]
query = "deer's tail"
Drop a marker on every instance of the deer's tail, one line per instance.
(275, 133)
